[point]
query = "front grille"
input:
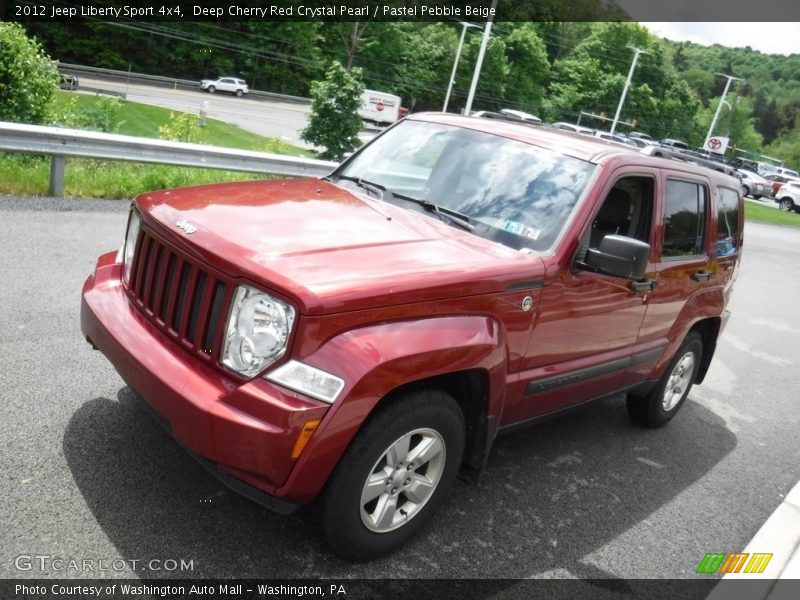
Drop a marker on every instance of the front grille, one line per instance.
(187, 300)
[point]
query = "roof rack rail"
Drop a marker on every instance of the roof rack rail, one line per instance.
(673, 154)
(487, 114)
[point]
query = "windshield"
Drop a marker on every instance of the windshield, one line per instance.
(514, 193)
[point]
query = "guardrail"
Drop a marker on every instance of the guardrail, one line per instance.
(60, 143)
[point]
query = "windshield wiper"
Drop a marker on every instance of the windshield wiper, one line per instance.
(386, 194)
(370, 186)
(451, 215)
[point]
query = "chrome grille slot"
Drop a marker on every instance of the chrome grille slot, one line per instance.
(179, 295)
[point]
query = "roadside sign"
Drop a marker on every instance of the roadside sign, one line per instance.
(716, 144)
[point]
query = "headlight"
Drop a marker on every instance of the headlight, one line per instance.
(257, 332)
(130, 245)
(308, 380)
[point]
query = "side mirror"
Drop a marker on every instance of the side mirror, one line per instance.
(620, 256)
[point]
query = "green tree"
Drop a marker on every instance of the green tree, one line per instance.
(334, 123)
(28, 77)
(528, 66)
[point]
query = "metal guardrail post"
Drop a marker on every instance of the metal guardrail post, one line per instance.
(57, 166)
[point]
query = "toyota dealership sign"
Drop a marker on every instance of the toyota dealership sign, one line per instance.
(716, 144)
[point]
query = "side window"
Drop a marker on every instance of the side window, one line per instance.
(684, 219)
(626, 210)
(727, 221)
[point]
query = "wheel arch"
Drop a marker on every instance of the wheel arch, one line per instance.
(464, 356)
(708, 329)
(702, 313)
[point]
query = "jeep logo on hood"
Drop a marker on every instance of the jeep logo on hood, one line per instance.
(187, 227)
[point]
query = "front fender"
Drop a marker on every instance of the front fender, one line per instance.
(377, 359)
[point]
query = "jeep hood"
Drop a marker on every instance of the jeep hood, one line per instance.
(331, 250)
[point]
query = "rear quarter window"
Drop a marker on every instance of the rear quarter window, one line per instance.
(728, 221)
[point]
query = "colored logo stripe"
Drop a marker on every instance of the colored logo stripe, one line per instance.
(722, 562)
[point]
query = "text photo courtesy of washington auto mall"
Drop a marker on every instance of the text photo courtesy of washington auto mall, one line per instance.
(488, 299)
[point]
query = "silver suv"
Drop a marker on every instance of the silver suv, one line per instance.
(225, 84)
(788, 196)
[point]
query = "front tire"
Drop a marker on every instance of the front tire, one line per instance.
(394, 475)
(239, 93)
(211, 89)
(745, 190)
(665, 399)
(786, 204)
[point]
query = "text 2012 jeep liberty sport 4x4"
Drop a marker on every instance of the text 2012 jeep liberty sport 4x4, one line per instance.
(363, 338)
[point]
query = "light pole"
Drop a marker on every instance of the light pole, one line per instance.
(637, 51)
(721, 102)
(484, 42)
(455, 63)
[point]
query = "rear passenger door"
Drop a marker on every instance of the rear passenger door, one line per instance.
(684, 265)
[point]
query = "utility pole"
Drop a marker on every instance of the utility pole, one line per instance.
(484, 42)
(721, 102)
(637, 52)
(455, 63)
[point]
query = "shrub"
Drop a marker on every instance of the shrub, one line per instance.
(28, 78)
(103, 115)
(182, 127)
(334, 123)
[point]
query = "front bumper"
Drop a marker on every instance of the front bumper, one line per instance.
(243, 432)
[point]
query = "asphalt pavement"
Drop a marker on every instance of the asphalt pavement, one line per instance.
(85, 474)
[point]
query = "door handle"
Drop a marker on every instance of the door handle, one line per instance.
(702, 275)
(643, 286)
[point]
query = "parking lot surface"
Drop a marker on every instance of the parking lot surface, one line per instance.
(86, 474)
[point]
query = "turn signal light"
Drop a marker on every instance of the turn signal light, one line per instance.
(305, 434)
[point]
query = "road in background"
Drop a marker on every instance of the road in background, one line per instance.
(270, 118)
(85, 473)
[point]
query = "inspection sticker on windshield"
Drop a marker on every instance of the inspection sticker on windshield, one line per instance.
(520, 229)
(514, 227)
(532, 233)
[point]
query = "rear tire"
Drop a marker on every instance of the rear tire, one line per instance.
(665, 399)
(745, 190)
(786, 204)
(394, 475)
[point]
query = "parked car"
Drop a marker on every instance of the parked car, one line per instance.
(753, 184)
(362, 339)
(776, 181)
(521, 115)
(233, 85)
(788, 196)
(573, 128)
(638, 142)
(677, 144)
(765, 169)
(610, 137)
(640, 136)
(744, 163)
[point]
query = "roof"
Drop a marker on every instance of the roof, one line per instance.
(565, 142)
(591, 149)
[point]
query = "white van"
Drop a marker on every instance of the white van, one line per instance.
(379, 107)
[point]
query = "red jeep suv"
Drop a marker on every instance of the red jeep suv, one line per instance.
(361, 340)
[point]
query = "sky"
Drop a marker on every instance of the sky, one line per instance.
(770, 38)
